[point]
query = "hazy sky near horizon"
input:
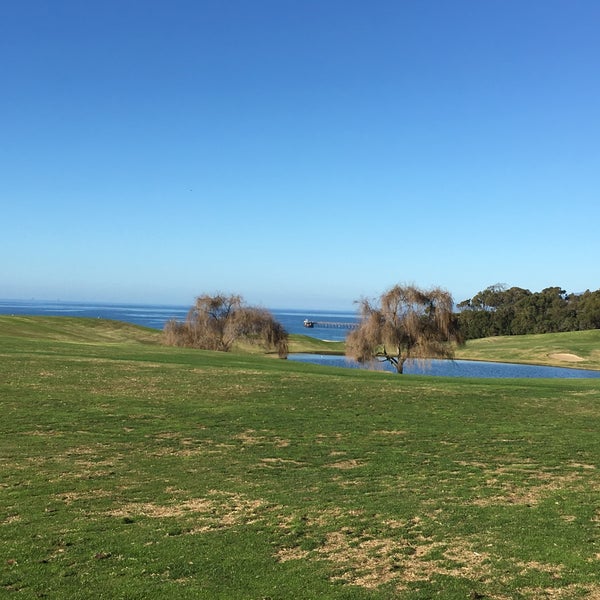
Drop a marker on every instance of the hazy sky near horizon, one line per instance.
(303, 153)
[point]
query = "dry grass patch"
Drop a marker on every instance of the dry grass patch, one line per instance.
(369, 553)
(366, 563)
(70, 497)
(188, 447)
(218, 510)
(376, 561)
(251, 437)
(584, 466)
(532, 491)
(43, 433)
(321, 438)
(11, 519)
(279, 462)
(371, 561)
(524, 483)
(351, 463)
(286, 554)
(584, 592)
(526, 567)
(326, 517)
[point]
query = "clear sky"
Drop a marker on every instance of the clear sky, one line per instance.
(302, 153)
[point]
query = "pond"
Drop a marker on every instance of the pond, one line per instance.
(454, 368)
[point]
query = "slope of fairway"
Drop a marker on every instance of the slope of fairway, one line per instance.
(76, 329)
(306, 343)
(133, 470)
(104, 331)
(579, 349)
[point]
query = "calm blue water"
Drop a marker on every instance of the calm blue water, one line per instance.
(157, 315)
(154, 316)
(293, 321)
(455, 368)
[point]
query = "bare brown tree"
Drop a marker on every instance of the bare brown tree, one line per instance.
(217, 322)
(406, 323)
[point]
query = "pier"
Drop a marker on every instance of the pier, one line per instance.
(329, 324)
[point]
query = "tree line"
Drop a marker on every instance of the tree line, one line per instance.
(499, 310)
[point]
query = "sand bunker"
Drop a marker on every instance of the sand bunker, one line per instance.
(566, 357)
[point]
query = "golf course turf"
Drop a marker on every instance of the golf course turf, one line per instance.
(137, 471)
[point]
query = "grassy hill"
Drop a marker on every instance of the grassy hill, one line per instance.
(306, 343)
(579, 349)
(75, 329)
(133, 470)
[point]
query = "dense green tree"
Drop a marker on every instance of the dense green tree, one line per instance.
(499, 310)
(473, 323)
(588, 311)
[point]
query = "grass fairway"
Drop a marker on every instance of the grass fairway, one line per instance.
(578, 349)
(134, 471)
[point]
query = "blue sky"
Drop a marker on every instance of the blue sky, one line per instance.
(301, 153)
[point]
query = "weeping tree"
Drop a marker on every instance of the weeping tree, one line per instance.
(406, 322)
(218, 322)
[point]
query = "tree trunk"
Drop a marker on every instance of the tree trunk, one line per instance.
(400, 365)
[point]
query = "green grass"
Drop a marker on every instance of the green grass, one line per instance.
(306, 343)
(132, 470)
(579, 349)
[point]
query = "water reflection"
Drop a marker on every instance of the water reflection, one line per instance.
(455, 368)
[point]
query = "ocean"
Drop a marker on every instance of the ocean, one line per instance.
(156, 315)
